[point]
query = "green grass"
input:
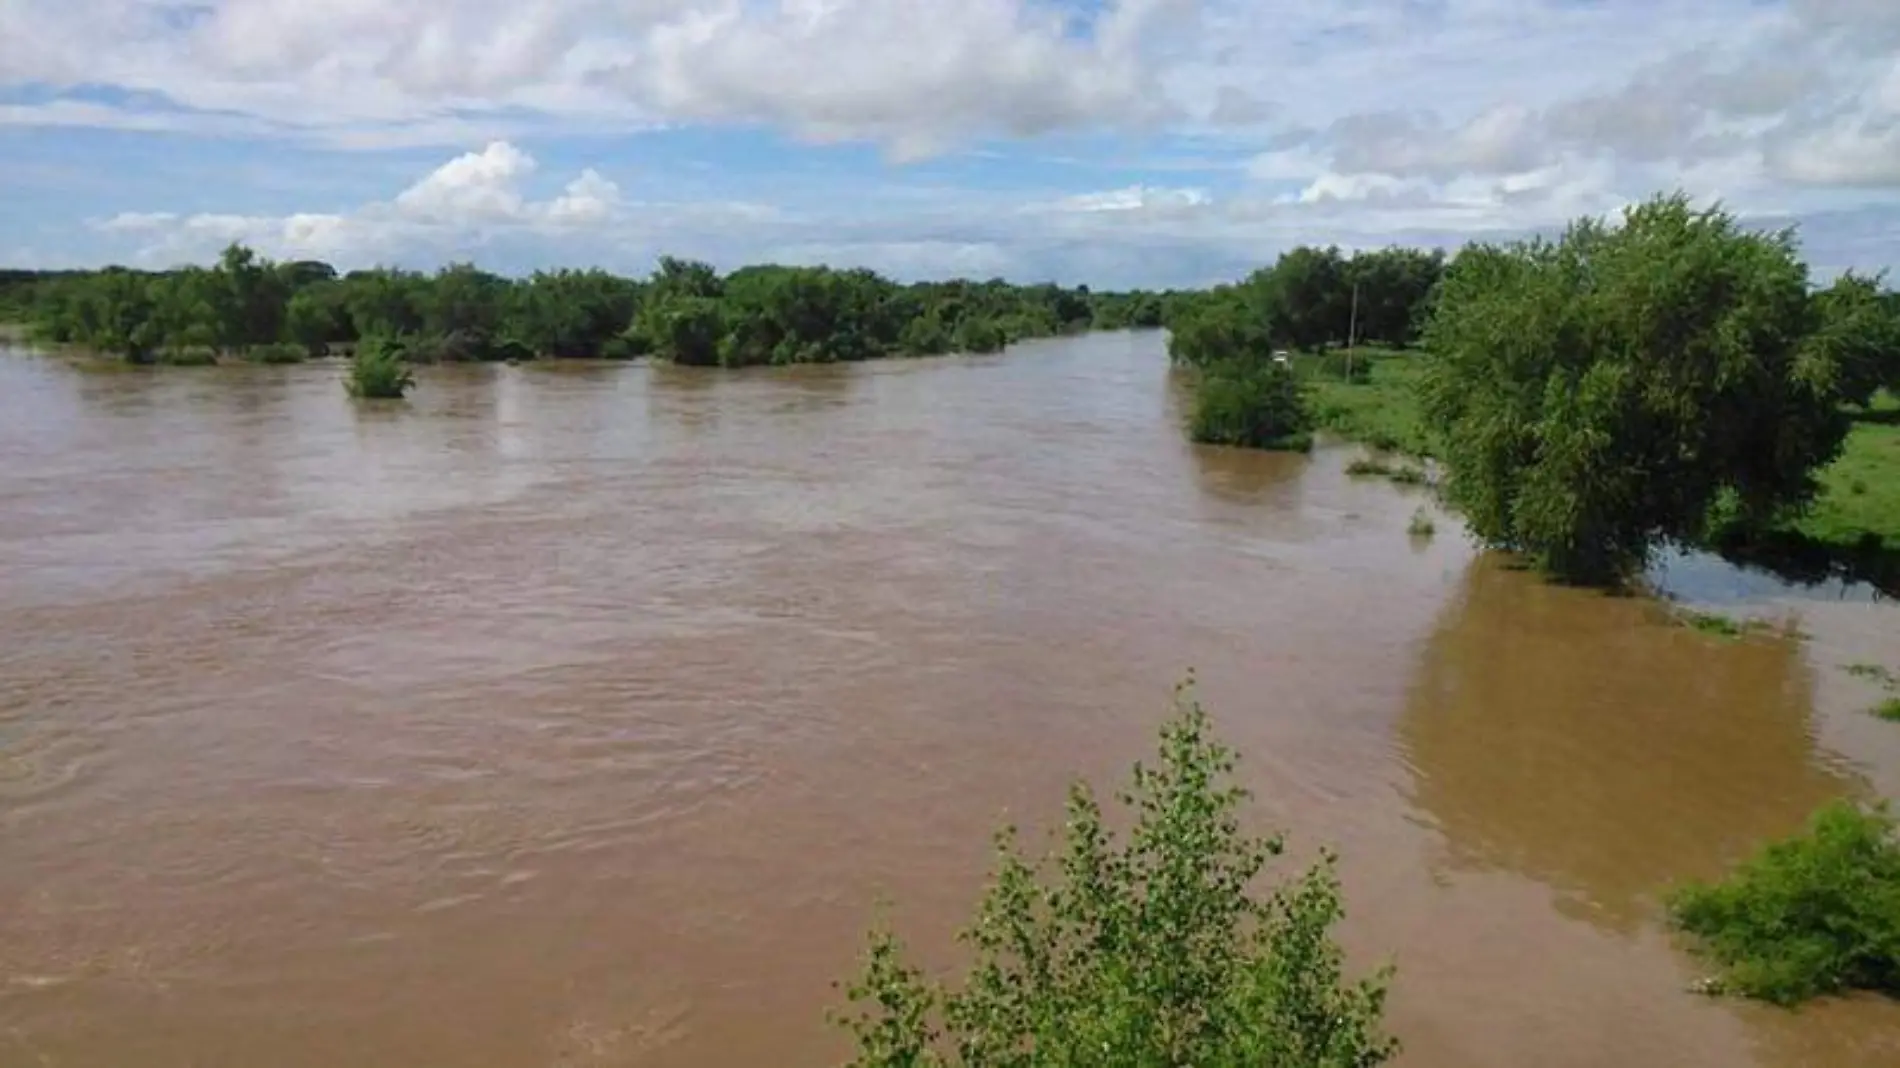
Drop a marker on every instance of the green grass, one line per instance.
(1421, 525)
(1721, 626)
(1870, 672)
(1889, 710)
(1816, 914)
(1375, 467)
(1383, 412)
(1860, 492)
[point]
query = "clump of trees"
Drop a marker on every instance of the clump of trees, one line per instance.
(1153, 949)
(1311, 299)
(1256, 404)
(686, 311)
(1816, 914)
(1627, 385)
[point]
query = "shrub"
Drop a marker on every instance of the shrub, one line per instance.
(1816, 914)
(1421, 525)
(978, 334)
(380, 371)
(619, 347)
(277, 352)
(1143, 951)
(1889, 710)
(185, 356)
(509, 350)
(1369, 467)
(1252, 403)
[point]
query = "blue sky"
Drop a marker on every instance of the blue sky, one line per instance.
(1114, 142)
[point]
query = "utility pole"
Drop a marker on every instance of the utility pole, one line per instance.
(1352, 329)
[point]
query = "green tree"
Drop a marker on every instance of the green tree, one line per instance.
(1252, 403)
(317, 317)
(1601, 393)
(1859, 325)
(1148, 952)
(1225, 324)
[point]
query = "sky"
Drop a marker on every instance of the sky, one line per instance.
(1110, 142)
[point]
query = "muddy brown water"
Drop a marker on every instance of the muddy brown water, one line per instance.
(581, 715)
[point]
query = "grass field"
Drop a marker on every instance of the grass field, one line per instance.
(1859, 506)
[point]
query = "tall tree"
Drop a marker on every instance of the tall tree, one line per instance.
(1599, 394)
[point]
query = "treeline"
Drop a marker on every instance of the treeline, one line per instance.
(1311, 299)
(248, 307)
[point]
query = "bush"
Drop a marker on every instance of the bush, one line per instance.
(1148, 951)
(380, 371)
(977, 334)
(185, 356)
(619, 347)
(1252, 403)
(1815, 914)
(277, 352)
(1421, 525)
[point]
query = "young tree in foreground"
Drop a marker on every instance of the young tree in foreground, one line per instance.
(1602, 393)
(1148, 952)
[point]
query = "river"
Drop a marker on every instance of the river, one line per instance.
(581, 715)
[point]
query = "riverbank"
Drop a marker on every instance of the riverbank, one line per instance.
(1853, 524)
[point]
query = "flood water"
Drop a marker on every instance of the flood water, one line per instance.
(582, 715)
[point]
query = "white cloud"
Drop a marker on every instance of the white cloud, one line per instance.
(1134, 198)
(477, 186)
(468, 202)
(1369, 121)
(588, 199)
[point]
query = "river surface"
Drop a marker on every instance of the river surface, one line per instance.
(581, 715)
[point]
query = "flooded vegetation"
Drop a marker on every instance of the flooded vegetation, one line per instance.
(580, 713)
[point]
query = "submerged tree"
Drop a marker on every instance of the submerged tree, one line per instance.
(380, 371)
(1146, 951)
(1604, 392)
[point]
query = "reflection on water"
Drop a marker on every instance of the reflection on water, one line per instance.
(1580, 740)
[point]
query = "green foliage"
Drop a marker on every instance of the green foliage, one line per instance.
(380, 370)
(1421, 525)
(1146, 951)
(1375, 467)
(1889, 710)
(277, 352)
(1717, 625)
(184, 356)
(1816, 914)
(1872, 673)
(1251, 403)
(1601, 393)
(1220, 327)
(684, 311)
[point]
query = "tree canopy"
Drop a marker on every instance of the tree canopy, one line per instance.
(1620, 386)
(684, 310)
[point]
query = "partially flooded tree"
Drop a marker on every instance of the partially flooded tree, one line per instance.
(1604, 392)
(1149, 950)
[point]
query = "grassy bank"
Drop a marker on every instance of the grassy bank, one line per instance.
(1381, 411)
(1860, 496)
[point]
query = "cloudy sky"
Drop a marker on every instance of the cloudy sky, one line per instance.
(1113, 142)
